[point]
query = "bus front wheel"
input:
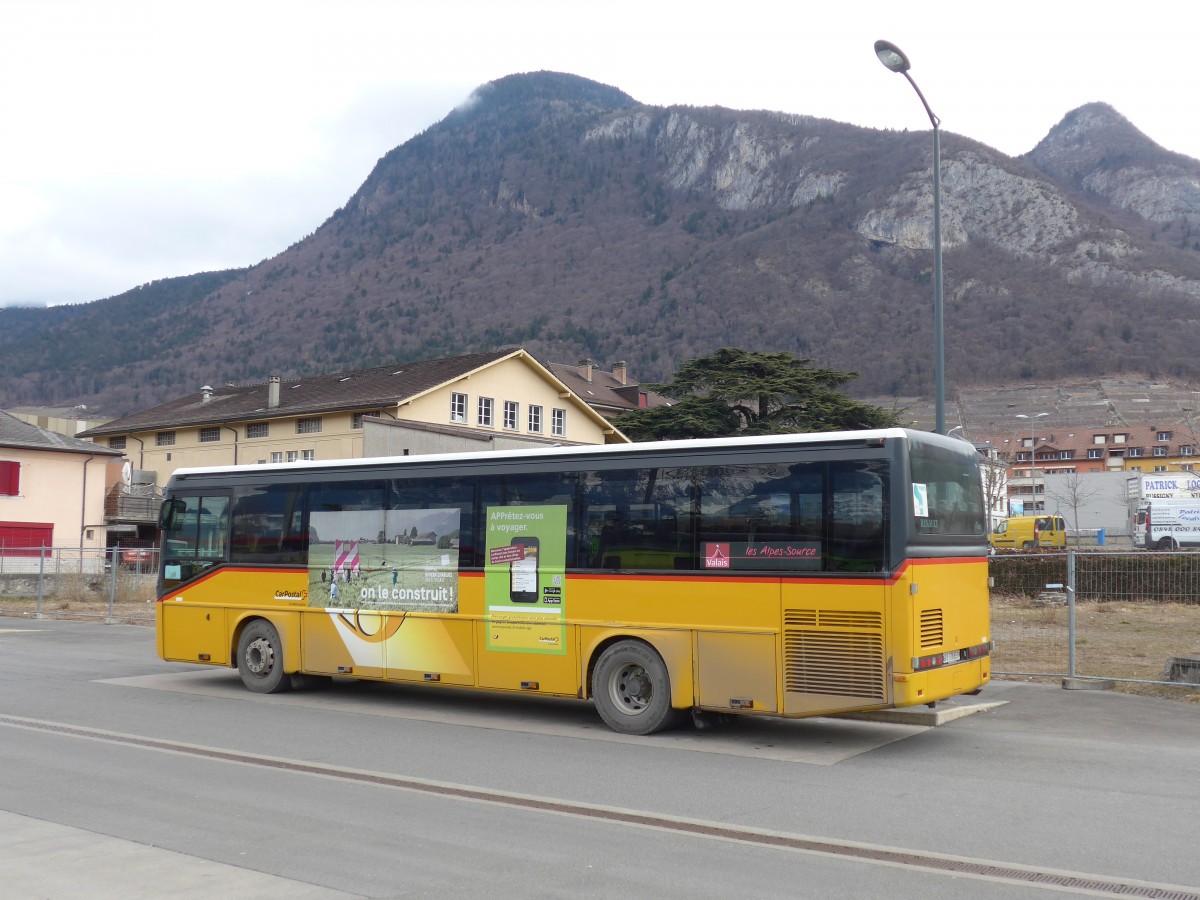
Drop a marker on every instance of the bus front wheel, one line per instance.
(632, 689)
(260, 659)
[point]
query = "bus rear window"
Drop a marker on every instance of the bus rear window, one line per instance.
(947, 496)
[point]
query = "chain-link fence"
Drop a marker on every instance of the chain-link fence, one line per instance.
(115, 584)
(1130, 617)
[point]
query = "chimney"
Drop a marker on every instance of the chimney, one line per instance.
(620, 371)
(206, 393)
(273, 392)
(588, 366)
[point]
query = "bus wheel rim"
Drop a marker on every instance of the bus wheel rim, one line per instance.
(631, 689)
(260, 656)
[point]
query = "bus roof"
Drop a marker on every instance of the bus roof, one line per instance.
(584, 451)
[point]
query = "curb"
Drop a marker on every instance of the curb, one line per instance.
(922, 715)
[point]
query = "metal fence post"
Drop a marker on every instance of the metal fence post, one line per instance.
(41, 580)
(1071, 613)
(112, 582)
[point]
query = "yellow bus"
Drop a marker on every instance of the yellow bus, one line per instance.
(791, 575)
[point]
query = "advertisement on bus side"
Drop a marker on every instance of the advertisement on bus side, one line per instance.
(524, 579)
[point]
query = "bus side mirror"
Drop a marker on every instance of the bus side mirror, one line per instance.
(166, 513)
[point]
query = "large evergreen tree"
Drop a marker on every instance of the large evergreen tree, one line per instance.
(736, 391)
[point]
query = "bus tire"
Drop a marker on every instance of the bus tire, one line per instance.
(632, 689)
(1028, 545)
(260, 659)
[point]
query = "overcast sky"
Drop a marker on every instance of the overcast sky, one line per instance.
(144, 140)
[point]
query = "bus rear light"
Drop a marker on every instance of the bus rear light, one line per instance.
(950, 657)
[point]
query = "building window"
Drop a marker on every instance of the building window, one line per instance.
(1187, 467)
(535, 418)
(208, 435)
(485, 412)
(164, 439)
(1095, 454)
(293, 455)
(458, 407)
(1163, 436)
(356, 419)
(10, 478)
(512, 410)
(1136, 451)
(1099, 438)
(1160, 451)
(558, 422)
(117, 443)
(1160, 468)
(1120, 438)
(310, 425)
(258, 429)
(308, 454)
(1187, 450)
(276, 456)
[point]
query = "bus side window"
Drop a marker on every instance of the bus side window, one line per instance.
(269, 524)
(858, 511)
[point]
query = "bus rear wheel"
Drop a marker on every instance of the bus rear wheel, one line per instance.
(260, 658)
(632, 689)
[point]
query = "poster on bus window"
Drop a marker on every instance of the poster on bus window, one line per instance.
(396, 559)
(524, 584)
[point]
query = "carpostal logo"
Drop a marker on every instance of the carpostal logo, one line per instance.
(716, 556)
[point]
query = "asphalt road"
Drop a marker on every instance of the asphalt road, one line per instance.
(124, 776)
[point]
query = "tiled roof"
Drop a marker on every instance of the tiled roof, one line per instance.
(605, 390)
(1079, 439)
(360, 390)
(21, 435)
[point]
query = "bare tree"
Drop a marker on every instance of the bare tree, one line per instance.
(1073, 491)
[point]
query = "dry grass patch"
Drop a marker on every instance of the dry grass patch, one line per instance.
(1113, 640)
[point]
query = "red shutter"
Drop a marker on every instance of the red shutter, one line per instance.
(25, 538)
(10, 478)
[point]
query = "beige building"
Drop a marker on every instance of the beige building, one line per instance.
(484, 400)
(51, 490)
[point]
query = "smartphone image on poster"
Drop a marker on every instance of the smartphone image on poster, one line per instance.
(523, 573)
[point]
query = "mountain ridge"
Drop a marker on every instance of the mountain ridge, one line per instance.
(559, 214)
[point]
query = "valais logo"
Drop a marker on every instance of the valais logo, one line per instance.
(716, 556)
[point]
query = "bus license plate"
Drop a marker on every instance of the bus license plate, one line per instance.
(951, 656)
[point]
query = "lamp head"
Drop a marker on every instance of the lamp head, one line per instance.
(892, 56)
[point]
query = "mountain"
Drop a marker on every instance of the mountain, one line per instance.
(562, 215)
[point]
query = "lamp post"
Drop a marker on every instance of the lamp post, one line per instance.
(894, 59)
(1033, 453)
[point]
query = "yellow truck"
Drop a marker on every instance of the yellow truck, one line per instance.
(1028, 532)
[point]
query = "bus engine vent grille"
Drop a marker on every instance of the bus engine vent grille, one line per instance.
(931, 628)
(848, 661)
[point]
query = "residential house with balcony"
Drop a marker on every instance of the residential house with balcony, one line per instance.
(478, 401)
(52, 490)
(1046, 449)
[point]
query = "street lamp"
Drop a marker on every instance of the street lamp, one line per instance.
(895, 60)
(1033, 453)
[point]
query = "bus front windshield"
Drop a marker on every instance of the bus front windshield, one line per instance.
(947, 494)
(194, 535)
